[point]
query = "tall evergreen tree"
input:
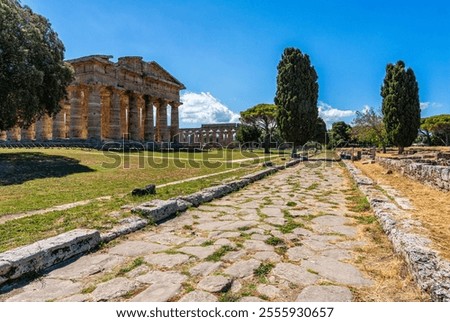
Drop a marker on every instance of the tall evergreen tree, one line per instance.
(320, 134)
(401, 105)
(33, 75)
(296, 97)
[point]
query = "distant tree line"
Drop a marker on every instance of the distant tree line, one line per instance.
(294, 117)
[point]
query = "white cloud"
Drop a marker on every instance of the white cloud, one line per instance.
(366, 108)
(201, 108)
(330, 114)
(425, 105)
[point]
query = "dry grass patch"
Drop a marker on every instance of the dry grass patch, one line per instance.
(388, 271)
(431, 206)
(377, 259)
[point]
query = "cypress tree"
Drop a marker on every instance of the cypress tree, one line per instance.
(401, 105)
(296, 97)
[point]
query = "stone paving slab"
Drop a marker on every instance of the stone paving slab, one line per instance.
(48, 289)
(113, 289)
(87, 265)
(336, 271)
(158, 292)
(198, 296)
(166, 260)
(227, 247)
(294, 274)
(133, 248)
(328, 293)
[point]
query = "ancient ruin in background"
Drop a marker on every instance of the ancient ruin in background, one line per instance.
(112, 101)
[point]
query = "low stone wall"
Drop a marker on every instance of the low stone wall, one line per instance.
(41, 255)
(435, 176)
(45, 253)
(431, 272)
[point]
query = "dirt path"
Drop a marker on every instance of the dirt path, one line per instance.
(289, 237)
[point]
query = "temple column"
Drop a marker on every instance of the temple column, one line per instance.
(106, 102)
(174, 122)
(48, 127)
(124, 115)
(141, 117)
(29, 133)
(218, 138)
(44, 128)
(149, 130)
(114, 117)
(161, 121)
(133, 127)
(94, 114)
(59, 124)
(76, 117)
(14, 134)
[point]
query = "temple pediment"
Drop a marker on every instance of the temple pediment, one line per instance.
(155, 70)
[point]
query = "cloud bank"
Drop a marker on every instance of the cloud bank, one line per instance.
(425, 105)
(330, 114)
(201, 108)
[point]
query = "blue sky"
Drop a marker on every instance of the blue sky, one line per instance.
(226, 52)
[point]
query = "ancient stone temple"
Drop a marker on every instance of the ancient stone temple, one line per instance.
(130, 100)
(219, 133)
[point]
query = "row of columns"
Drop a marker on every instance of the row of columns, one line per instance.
(223, 137)
(104, 113)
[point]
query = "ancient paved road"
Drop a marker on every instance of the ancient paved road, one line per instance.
(285, 238)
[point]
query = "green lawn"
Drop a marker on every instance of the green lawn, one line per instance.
(33, 179)
(40, 178)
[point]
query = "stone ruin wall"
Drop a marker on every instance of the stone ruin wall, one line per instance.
(223, 134)
(111, 101)
(435, 176)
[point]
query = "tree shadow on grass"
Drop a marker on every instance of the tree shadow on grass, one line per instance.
(17, 168)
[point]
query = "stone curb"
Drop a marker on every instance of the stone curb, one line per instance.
(431, 272)
(43, 254)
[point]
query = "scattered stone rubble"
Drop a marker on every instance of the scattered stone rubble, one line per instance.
(436, 176)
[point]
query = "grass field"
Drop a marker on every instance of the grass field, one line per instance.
(40, 178)
(33, 179)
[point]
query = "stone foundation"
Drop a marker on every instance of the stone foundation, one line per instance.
(432, 175)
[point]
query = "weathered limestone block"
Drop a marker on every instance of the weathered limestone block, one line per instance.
(157, 210)
(45, 253)
(238, 184)
(198, 198)
(129, 225)
(219, 191)
(292, 163)
(182, 205)
(433, 175)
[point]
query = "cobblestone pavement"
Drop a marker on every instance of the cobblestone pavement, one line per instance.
(284, 238)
